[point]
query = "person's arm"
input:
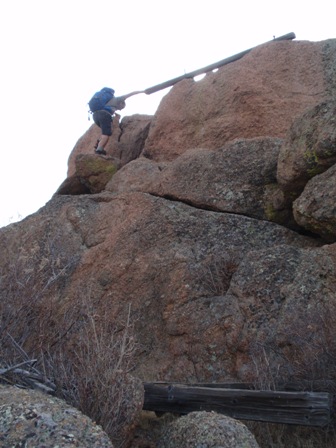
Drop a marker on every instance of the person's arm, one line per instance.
(117, 103)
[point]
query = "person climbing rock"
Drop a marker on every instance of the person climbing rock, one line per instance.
(103, 106)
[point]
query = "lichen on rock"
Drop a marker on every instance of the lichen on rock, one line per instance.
(32, 419)
(207, 430)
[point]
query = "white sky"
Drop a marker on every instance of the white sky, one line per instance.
(56, 53)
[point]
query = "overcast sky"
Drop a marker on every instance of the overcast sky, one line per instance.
(56, 54)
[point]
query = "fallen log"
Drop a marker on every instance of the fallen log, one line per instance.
(298, 408)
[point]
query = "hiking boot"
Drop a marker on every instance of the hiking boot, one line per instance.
(100, 151)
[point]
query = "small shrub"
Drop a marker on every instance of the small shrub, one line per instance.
(93, 375)
(217, 274)
(74, 350)
(306, 363)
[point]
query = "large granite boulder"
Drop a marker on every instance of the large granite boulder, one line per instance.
(173, 263)
(92, 173)
(126, 143)
(237, 178)
(190, 239)
(31, 419)
(309, 148)
(315, 208)
(207, 429)
(256, 96)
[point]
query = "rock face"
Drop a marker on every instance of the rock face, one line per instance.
(310, 148)
(33, 419)
(315, 209)
(308, 151)
(258, 95)
(126, 143)
(238, 178)
(207, 429)
(215, 232)
(171, 261)
(92, 173)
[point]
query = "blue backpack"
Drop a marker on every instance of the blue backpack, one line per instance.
(100, 99)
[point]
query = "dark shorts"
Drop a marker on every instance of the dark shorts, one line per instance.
(104, 120)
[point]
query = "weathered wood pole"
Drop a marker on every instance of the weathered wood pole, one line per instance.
(203, 70)
(299, 408)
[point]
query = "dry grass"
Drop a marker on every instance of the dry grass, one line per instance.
(217, 274)
(93, 375)
(70, 349)
(308, 363)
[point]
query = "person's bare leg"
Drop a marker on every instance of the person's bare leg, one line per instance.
(102, 143)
